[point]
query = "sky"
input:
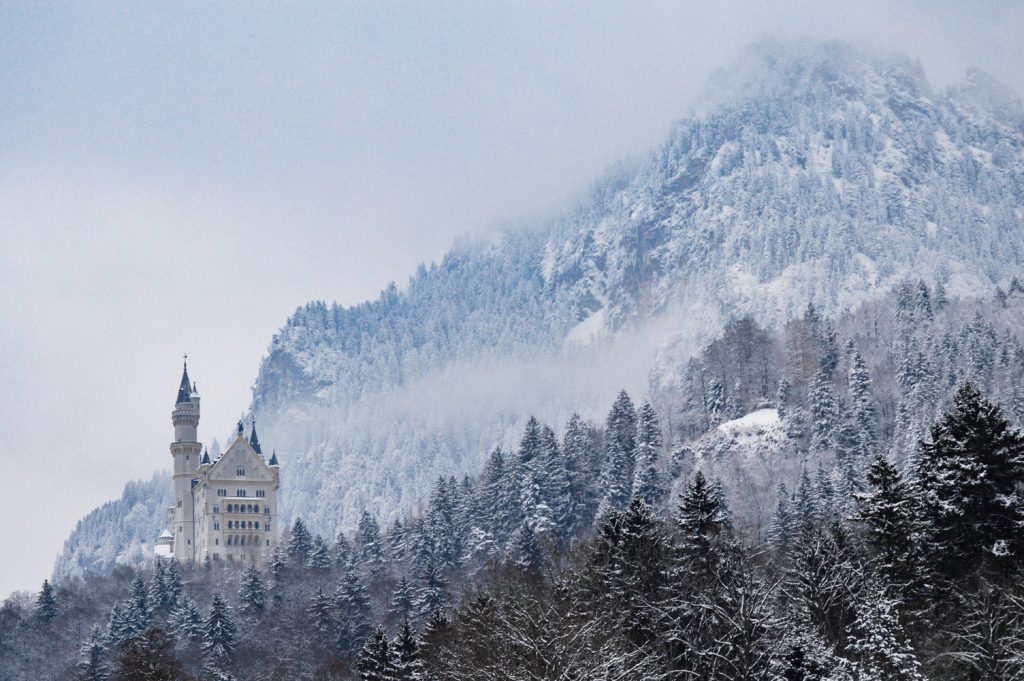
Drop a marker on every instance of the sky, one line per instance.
(179, 177)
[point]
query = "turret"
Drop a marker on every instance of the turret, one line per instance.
(186, 452)
(253, 440)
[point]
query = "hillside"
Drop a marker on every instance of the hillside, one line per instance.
(813, 172)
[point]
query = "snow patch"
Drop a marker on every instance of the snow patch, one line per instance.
(762, 418)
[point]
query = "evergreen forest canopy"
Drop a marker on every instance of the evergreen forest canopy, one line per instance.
(835, 499)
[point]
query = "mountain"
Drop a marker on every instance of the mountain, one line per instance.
(810, 173)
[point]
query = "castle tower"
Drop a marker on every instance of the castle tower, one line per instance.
(186, 451)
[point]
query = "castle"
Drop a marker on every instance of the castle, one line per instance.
(224, 510)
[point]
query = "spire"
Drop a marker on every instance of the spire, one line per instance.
(273, 458)
(184, 390)
(253, 440)
(206, 458)
(241, 428)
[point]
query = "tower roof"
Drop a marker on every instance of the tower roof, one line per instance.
(273, 458)
(185, 389)
(206, 458)
(253, 440)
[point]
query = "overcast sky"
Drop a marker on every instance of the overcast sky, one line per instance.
(180, 177)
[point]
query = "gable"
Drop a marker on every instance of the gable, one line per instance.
(240, 455)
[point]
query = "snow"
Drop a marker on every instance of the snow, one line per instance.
(762, 418)
(587, 331)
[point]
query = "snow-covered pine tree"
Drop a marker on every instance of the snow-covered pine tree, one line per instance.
(159, 595)
(700, 515)
(880, 648)
(525, 549)
(321, 617)
(893, 528)
(395, 541)
(821, 403)
(647, 483)
(219, 632)
(970, 473)
(431, 594)
(555, 484)
(46, 602)
(320, 555)
(862, 404)
(577, 449)
(186, 622)
(119, 628)
(252, 596)
(783, 528)
(403, 601)
(620, 444)
(371, 551)
(408, 663)
(352, 605)
(138, 612)
(91, 665)
(376, 661)
(300, 543)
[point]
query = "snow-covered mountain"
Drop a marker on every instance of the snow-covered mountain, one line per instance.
(812, 172)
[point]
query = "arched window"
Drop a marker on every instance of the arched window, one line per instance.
(249, 508)
(229, 508)
(266, 510)
(231, 524)
(257, 524)
(256, 508)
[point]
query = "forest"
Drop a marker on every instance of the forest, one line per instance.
(837, 498)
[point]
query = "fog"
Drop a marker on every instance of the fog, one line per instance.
(180, 177)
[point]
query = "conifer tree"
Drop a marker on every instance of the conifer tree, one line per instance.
(91, 666)
(578, 453)
(403, 601)
(321, 615)
(300, 543)
(396, 541)
(700, 514)
(783, 526)
(824, 412)
(343, 552)
(319, 555)
(431, 594)
(352, 605)
(46, 602)
(893, 531)
(371, 552)
(252, 595)
(174, 584)
(554, 481)
(526, 551)
(158, 592)
(138, 612)
(620, 444)
(969, 473)
(119, 628)
(219, 632)
(880, 647)
(863, 406)
(186, 622)
(647, 484)
(376, 661)
(408, 665)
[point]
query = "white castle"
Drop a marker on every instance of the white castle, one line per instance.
(224, 510)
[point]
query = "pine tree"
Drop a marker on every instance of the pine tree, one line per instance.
(880, 648)
(700, 514)
(647, 484)
(525, 549)
(408, 665)
(969, 474)
(396, 541)
(320, 555)
(343, 552)
(402, 599)
(91, 666)
(119, 628)
(529, 445)
(300, 543)
(863, 406)
(159, 594)
(890, 515)
(824, 412)
(253, 594)
(219, 632)
(186, 622)
(321, 616)
(376, 661)
(352, 604)
(620, 442)
(435, 634)
(783, 525)
(555, 482)
(138, 612)
(371, 552)
(174, 585)
(46, 602)
(578, 453)
(431, 594)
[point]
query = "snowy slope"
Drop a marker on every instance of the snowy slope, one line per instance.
(812, 172)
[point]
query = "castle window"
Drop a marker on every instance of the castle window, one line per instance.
(240, 493)
(268, 542)
(256, 508)
(249, 508)
(217, 542)
(266, 510)
(261, 492)
(230, 524)
(257, 524)
(222, 493)
(267, 526)
(240, 471)
(216, 526)
(179, 503)
(216, 509)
